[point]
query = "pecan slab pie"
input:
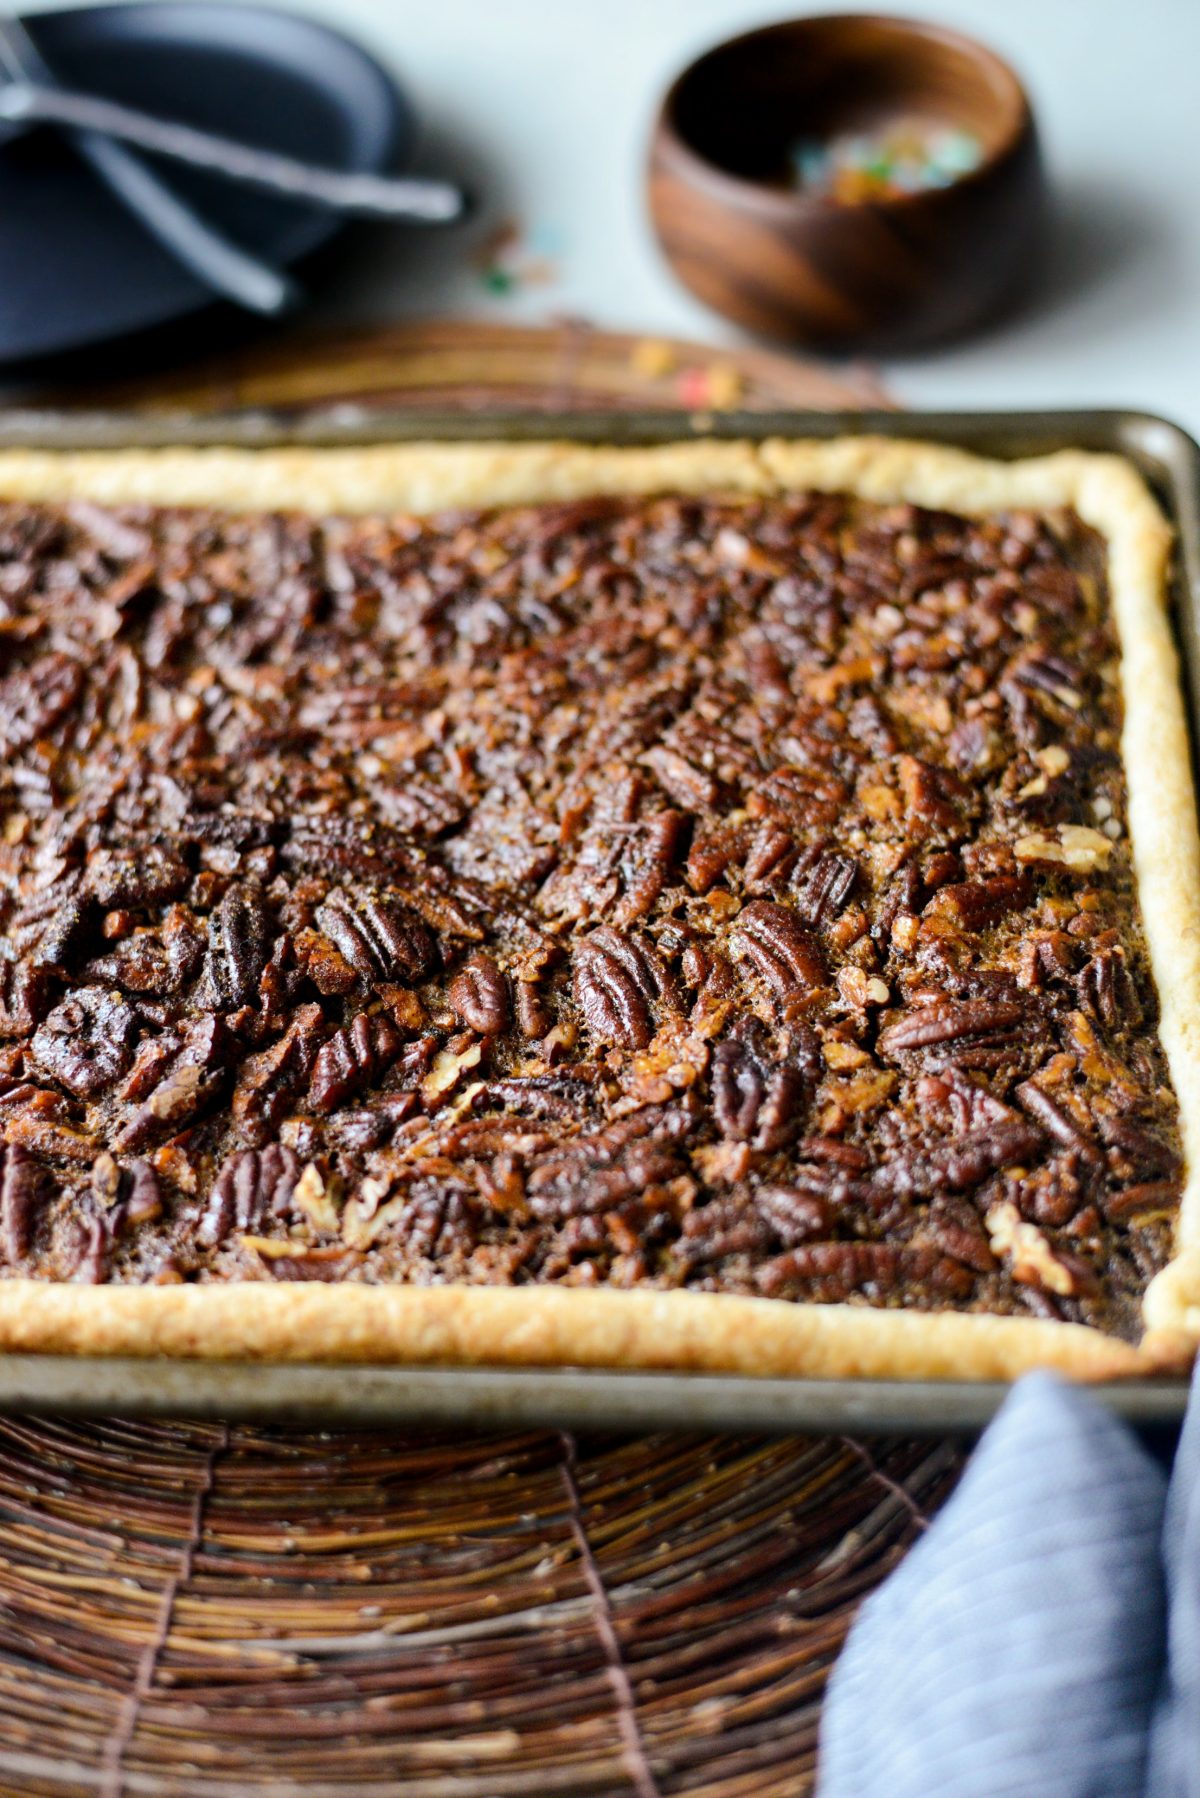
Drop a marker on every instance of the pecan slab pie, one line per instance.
(726, 905)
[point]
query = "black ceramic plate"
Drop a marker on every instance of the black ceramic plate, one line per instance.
(75, 268)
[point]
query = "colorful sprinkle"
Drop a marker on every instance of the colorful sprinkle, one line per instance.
(510, 258)
(906, 156)
(653, 358)
(717, 385)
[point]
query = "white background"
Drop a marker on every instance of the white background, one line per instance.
(546, 105)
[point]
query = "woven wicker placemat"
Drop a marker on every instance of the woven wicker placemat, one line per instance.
(199, 1612)
(194, 1610)
(463, 363)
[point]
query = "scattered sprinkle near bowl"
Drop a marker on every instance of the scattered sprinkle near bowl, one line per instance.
(511, 258)
(906, 156)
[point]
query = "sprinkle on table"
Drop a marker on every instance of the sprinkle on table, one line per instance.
(511, 258)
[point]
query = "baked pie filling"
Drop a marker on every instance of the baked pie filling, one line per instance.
(727, 895)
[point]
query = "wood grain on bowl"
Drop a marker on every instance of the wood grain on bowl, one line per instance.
(888, 273)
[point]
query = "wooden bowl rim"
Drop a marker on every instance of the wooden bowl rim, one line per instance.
(759, 196)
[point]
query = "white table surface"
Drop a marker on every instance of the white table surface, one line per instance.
(549, 102)
(545, 105)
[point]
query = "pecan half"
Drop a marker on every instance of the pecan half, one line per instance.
(757, 1100)
(86, 1043)
(977, 904)
(479, 996)
(379, 938)
(1107, 991)
(352, 1058)
(34, 699)
(959, 1164)
(24, 1186)
(795, 1216)
(239, 947)
(776, 945)
(821, 885)
(830, 1271)
(251, 1186)
(621, 983)
(176, 1084)
(928, 1026)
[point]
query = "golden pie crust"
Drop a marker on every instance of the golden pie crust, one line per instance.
(542, 1325)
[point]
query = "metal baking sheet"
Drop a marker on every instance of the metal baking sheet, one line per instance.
(586, 1397)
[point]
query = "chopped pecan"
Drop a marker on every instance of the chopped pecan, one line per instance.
(937, 801)
(1077, 848)
(159, 962)
(325, 965)
(268, 1082)
(1053, 1193)
(147, 875)
(978, 904)
(1033, 1259)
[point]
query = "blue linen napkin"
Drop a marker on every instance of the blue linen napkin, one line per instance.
(1043, 1637)
(1174, 1770)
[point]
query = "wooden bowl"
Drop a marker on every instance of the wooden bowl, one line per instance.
(881, 274)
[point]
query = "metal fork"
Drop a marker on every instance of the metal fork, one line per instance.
(380, 196)
(212, 257)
